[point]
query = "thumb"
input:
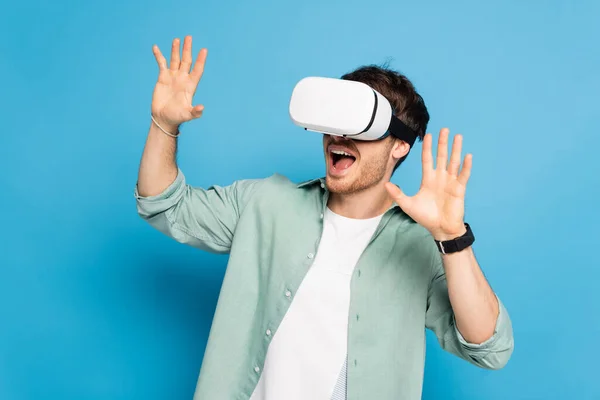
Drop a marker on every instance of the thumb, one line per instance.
(197, 111)
(397, 194)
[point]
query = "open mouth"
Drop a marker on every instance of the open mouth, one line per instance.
(341, 159)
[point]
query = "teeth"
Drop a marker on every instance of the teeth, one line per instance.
(341, 152)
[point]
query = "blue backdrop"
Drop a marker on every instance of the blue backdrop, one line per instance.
(94, 304)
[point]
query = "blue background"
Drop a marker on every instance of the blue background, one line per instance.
(95, 304)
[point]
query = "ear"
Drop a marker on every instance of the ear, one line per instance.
(399, 149)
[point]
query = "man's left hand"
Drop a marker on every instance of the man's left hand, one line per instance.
(439, 205)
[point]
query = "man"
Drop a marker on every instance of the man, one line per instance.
(330, 283)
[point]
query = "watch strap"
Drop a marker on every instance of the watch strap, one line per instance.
(456, 244)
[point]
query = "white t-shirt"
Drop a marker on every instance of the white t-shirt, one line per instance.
(307, 355)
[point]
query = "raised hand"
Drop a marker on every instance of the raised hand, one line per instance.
(439, 204)
(176, 85)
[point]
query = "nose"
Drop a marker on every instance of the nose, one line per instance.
(335, 138)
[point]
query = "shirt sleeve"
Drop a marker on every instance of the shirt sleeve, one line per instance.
(202, 218)
(494, 353)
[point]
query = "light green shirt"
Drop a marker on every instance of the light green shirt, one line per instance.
(271, 230)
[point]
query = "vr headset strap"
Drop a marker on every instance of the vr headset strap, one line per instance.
(400, 130)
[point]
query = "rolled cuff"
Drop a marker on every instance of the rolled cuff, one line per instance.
(495, 352)
(152, 205)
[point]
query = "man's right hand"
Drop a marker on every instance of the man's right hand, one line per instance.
(176, 86)
(171, 106)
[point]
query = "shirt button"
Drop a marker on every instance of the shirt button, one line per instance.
(322, 185)
(288, 293)
(321, 216)
(268, 332)
(310, 255)
(256, 369)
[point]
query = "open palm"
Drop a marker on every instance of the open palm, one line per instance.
(176, 85)
(439, 203)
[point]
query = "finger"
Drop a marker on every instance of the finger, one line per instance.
(160, 59)
(442, 150)
(465, 173)
(175, 55)
(198, 69)
(426, 156)
(197, 111)
(399, 197)
(455, 156)
(186, 58)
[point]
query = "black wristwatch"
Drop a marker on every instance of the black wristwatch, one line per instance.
(456, 244)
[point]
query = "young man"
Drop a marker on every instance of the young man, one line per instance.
(330, 283)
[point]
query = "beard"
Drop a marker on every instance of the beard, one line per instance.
(368, 174)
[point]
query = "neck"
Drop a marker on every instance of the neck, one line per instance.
(365, 204)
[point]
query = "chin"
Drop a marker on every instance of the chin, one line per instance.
(341, 184)
(334, 185)
(353, 181)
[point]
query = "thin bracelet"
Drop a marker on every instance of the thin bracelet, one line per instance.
(161, 128)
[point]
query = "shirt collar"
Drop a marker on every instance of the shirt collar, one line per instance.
(311, 182)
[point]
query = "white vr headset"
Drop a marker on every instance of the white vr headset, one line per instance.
(345, 108)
